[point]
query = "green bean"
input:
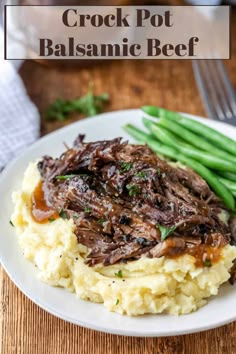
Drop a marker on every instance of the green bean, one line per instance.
(152, 111)
(173, 154)
(219, 139)
(148, 124)
(194, 139)
(229, 184)
(148, 139)
(205, 158)
(228, 175)
(136, 133)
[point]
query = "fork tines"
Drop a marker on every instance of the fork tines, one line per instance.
(217, 92)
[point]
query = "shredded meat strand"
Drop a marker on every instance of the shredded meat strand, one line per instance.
(119, 194)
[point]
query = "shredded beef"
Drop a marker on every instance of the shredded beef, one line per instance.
(119, 194)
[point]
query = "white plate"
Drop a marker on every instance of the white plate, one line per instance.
(220, 309)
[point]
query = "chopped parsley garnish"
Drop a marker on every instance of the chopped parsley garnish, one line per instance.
(158, 171)
(88, 105)
(62, 214)
(119, 274)
(165, 231)
(65, 177)
(11, 223)
(207, 263)
(117, 302)
(75, 216)
(133, 190)
(126, 166)
(101, 221)
(51, 219)
(142, 175)
(87, 210)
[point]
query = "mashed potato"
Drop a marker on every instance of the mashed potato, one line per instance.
(157, 285)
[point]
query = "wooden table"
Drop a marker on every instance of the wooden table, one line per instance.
(24, 327)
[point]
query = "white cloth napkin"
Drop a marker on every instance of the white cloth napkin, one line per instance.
(19, 118)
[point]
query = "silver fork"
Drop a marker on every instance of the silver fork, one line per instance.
(216, 90)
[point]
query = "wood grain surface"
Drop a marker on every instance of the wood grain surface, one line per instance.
(24, 327)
